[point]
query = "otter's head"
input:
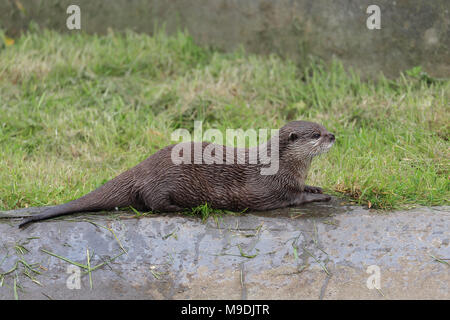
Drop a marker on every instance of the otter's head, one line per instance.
(304, 140)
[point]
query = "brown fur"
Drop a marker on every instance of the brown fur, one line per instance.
(158, 184)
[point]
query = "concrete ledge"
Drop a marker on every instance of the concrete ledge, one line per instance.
(313, 252)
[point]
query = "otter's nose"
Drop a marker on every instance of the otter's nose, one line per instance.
(331, 136)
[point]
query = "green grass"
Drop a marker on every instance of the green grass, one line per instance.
(76, 110)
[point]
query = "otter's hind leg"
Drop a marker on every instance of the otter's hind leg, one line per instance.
(165, 205)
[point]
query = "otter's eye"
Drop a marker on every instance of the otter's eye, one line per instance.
(316, 136)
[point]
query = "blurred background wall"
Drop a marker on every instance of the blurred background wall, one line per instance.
(413, 32)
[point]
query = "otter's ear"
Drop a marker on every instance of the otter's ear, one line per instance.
(293, 136)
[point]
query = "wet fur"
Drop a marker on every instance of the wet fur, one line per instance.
(157, 184)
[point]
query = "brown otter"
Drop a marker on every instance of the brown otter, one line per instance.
(158, 184)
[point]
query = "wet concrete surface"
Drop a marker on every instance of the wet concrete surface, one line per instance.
(319, 251)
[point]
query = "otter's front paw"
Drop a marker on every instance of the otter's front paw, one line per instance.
(312, 189)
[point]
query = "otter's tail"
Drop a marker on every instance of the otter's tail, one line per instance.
(114, 193)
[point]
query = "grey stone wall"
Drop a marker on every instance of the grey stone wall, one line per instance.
(413, 32)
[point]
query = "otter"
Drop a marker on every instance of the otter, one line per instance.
(160, 185)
